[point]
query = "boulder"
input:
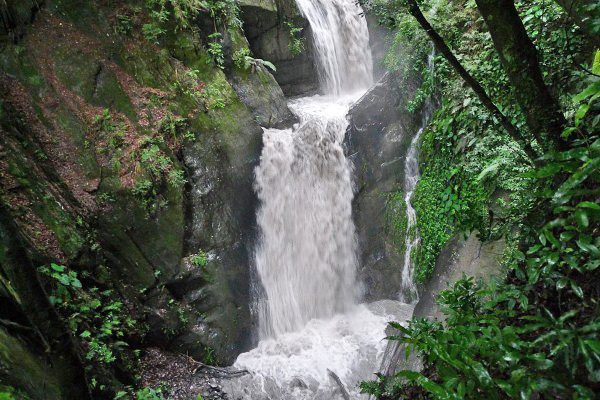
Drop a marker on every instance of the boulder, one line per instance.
(377, 140)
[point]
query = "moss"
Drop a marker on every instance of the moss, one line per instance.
(76, 130)
(149, 68)
(45, 205)
(15, 60)
(21, 369)
(88, 78)
(87, 15)
(396, 221)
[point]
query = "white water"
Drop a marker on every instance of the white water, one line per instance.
(409, 292)
(306, 260)
(341, 43)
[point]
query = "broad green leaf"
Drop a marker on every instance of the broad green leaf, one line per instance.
(57, 268)
(566, 236)
(562, 194)
(593, 344)
(64, 279)
(482, 374)
(592, 89)
(588, 247)
(589, 204)
(582, 219)
(411, 375)
(581, 112)
(577, 289)
(562, 282)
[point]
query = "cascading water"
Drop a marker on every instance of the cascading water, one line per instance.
(306, 261)
(341, 43)
(408, 292)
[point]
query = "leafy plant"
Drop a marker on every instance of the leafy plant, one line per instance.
(244, 61)
(295, 39)
(537, 332)
(199, 259)
(215, 49)
(92, 314)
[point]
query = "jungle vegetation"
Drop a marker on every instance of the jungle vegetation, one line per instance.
(512, 153)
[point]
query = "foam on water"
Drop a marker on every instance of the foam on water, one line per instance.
(296, 364)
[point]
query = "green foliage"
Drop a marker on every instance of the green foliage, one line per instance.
(396, 220)
(215, 49)
(243, 60)
(240, 58)
(295, 39)
(209, 358)
(124, 24)
(91, 314)
(152, 32)
(149, 394)
(199, 259)
(212, 96)
(535, 334)
(538, 331)
(8, 393)
(146, 393)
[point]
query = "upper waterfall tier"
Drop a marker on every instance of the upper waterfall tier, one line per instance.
(341, 43)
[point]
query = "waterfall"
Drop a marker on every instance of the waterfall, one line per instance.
(341, 44)
(408, 292)
(306, 261)
(306, 258)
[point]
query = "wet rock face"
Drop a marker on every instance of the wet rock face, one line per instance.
(266, 27)
(259, 91)
(376, 143)
(459, 256)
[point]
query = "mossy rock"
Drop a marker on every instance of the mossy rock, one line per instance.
(23, 370)
(90, 79)
(143, 245)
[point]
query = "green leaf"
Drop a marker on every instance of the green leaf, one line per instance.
(563, 195)
(562, 282)
(588, 247)
(566, 236)
(401, 328)
(581, 112)
(576, 289)
(57, 268)
(410, 375)
(85, 334)
(592, 265)
(589, 204)
(482, 374)
(64, 279)
(593, 344)
(582, 218)
(592, 89)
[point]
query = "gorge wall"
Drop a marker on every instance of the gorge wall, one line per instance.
(130, 161)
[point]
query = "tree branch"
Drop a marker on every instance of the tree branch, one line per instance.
(443, 48)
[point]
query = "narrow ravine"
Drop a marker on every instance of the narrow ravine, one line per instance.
(307, 300)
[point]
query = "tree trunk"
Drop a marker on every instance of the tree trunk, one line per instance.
(520, 61)
(584, 13)
(443, 48)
